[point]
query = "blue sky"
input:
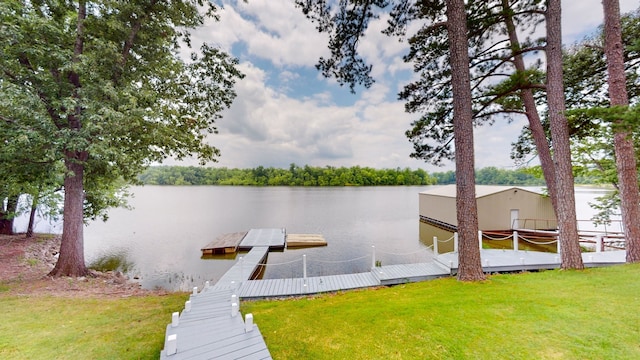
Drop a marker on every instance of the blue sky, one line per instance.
(286, 112)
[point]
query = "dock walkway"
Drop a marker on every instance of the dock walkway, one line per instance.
(511, 260)
(211, 327)
(275, 239)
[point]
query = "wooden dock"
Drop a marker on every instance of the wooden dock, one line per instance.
(305, 240)
(274, 239)
(224, 244)
(211, 327)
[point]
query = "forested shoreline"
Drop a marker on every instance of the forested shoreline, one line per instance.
(329, 176)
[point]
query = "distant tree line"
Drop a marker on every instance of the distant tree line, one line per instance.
(493, 176)
(293, 176)
(327, 176)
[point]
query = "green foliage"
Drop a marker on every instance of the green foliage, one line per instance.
(112, 262)
(591, 119)
(520, 316)
(332, 176)
(495, 84)
(103, 84)
(294, 176)
(493, 176)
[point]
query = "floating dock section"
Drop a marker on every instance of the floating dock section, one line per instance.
(305, 240)
(224, 244)
(274, 239)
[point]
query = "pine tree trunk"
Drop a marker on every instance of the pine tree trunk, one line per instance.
(469, 262)
(623, 142)
(535, 124)
(567, 225)
(71, 259)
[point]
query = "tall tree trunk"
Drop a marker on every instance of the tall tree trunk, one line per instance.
(469, 263)
(32, 215)
(535, 124)
(7, 215)
(622, 140)
(566, 213)
(71, 259)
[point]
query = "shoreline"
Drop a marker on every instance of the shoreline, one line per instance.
(25, 263)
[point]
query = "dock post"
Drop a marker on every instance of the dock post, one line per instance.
(171, 346)
(175, 319)
(195, 291)
(598, 243)
(187, 305)
(234, 310)
(241, 269)
(235, 299)
(455, 242)
(480, 238)
(515, 240)
(558, 245)
(435, 246)
(248, 322)
(304, 267)
(373, 257)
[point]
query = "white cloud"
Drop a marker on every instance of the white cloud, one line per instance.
(270, 125)
(580, 18)
(278, 32)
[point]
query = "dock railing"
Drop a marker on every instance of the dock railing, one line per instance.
(600, 241)
(611, 228)
(375, 256)
(514, 237)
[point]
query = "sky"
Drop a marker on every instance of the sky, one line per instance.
(287, 112)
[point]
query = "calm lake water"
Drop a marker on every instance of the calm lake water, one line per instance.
(162, 236)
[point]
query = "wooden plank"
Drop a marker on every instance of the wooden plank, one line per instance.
(305, 240)
(224, 243)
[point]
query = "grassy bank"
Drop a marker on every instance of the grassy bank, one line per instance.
(592, 314)
(47, 327)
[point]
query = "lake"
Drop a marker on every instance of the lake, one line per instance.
(162, 236)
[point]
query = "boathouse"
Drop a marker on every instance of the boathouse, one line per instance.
(499, 208)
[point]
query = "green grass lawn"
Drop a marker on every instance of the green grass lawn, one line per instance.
(45, 327)
(591, 314)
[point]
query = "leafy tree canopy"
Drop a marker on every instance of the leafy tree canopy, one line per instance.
(107, 83)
